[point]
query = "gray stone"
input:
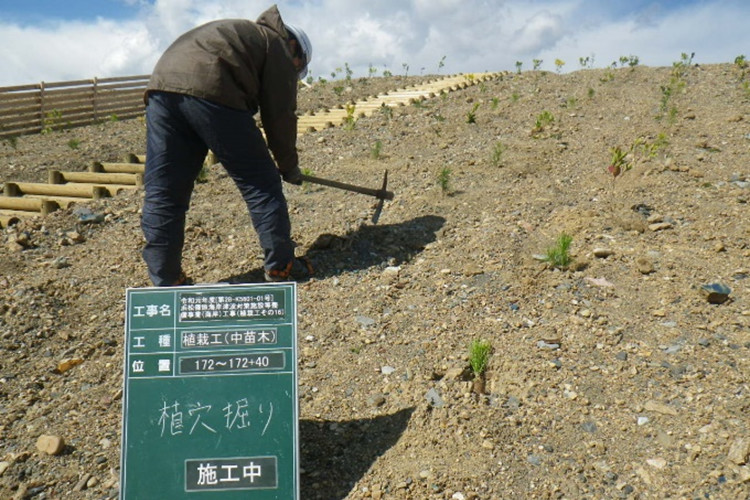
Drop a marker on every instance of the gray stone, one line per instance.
(434, 399)
(376, 400)
(716, 293)
(673, 349)
(589, 426)
(547, 346)
(365, 321)
(603, 253)
(739, 451)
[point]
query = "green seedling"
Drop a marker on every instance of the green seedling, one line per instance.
(74, 143)
(672, 115)
(497, 154)
(515, 96)
(349, 120)
(740, 61)
(376, 149)
(519, 65)
(479, 358)
(51, 121)
(591, 92)
(631, 61)
(586, 62)
(617, 163)
(607, 77)
(570, 103)
(444, 180)
(544, 119)
(203, 174)
(676, 84)
(537, 63)
(12, 141)
(306, 186)
(471, 116)
(494, 103)
(441, 63)
(680, 68)
(666, 94)
(622, 161)
(386, 111)
(660, 142)
(558, 255)
(114, 118)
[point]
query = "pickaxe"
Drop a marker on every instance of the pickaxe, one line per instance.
(382, 194)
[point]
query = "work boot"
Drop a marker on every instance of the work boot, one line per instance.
(182, 280)
(299, 269)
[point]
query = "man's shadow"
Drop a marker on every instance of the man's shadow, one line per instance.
(363, 248)
(335, 455)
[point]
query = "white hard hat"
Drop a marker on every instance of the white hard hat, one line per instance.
(304, 44)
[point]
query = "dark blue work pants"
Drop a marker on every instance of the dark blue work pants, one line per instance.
(180, 130)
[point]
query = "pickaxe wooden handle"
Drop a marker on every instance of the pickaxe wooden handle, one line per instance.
(381, 193)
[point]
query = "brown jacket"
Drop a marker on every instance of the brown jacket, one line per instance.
(240, 64)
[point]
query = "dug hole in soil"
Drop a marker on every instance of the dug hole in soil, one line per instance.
(612, 377)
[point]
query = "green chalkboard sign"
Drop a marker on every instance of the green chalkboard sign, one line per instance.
(210, 393)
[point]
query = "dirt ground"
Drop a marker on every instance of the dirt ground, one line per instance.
(615, 376)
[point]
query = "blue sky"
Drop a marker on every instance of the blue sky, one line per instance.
(57, 40)
(30, 12)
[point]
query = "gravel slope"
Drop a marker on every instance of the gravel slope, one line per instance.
(612, 378)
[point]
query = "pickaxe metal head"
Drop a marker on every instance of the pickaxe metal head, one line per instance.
(382, 194)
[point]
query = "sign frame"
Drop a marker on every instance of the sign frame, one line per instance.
(210, 407)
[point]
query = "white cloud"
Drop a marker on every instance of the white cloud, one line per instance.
(472, 35)
(540, 31)
(716, 32)
(72, 51)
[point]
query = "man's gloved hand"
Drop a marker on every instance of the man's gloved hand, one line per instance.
(294, 176)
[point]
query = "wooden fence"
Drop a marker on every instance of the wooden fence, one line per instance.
(30, 109)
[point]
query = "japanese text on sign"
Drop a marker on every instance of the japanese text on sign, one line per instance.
(198, 307)
(243, 473)
(234, 338)
(178, 419)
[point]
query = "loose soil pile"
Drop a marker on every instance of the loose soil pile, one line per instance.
(613, 377)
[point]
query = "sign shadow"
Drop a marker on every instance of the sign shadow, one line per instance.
(365, 247)
(335, 455)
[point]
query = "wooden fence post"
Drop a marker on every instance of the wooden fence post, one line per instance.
(95, 102)
(41, 106)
